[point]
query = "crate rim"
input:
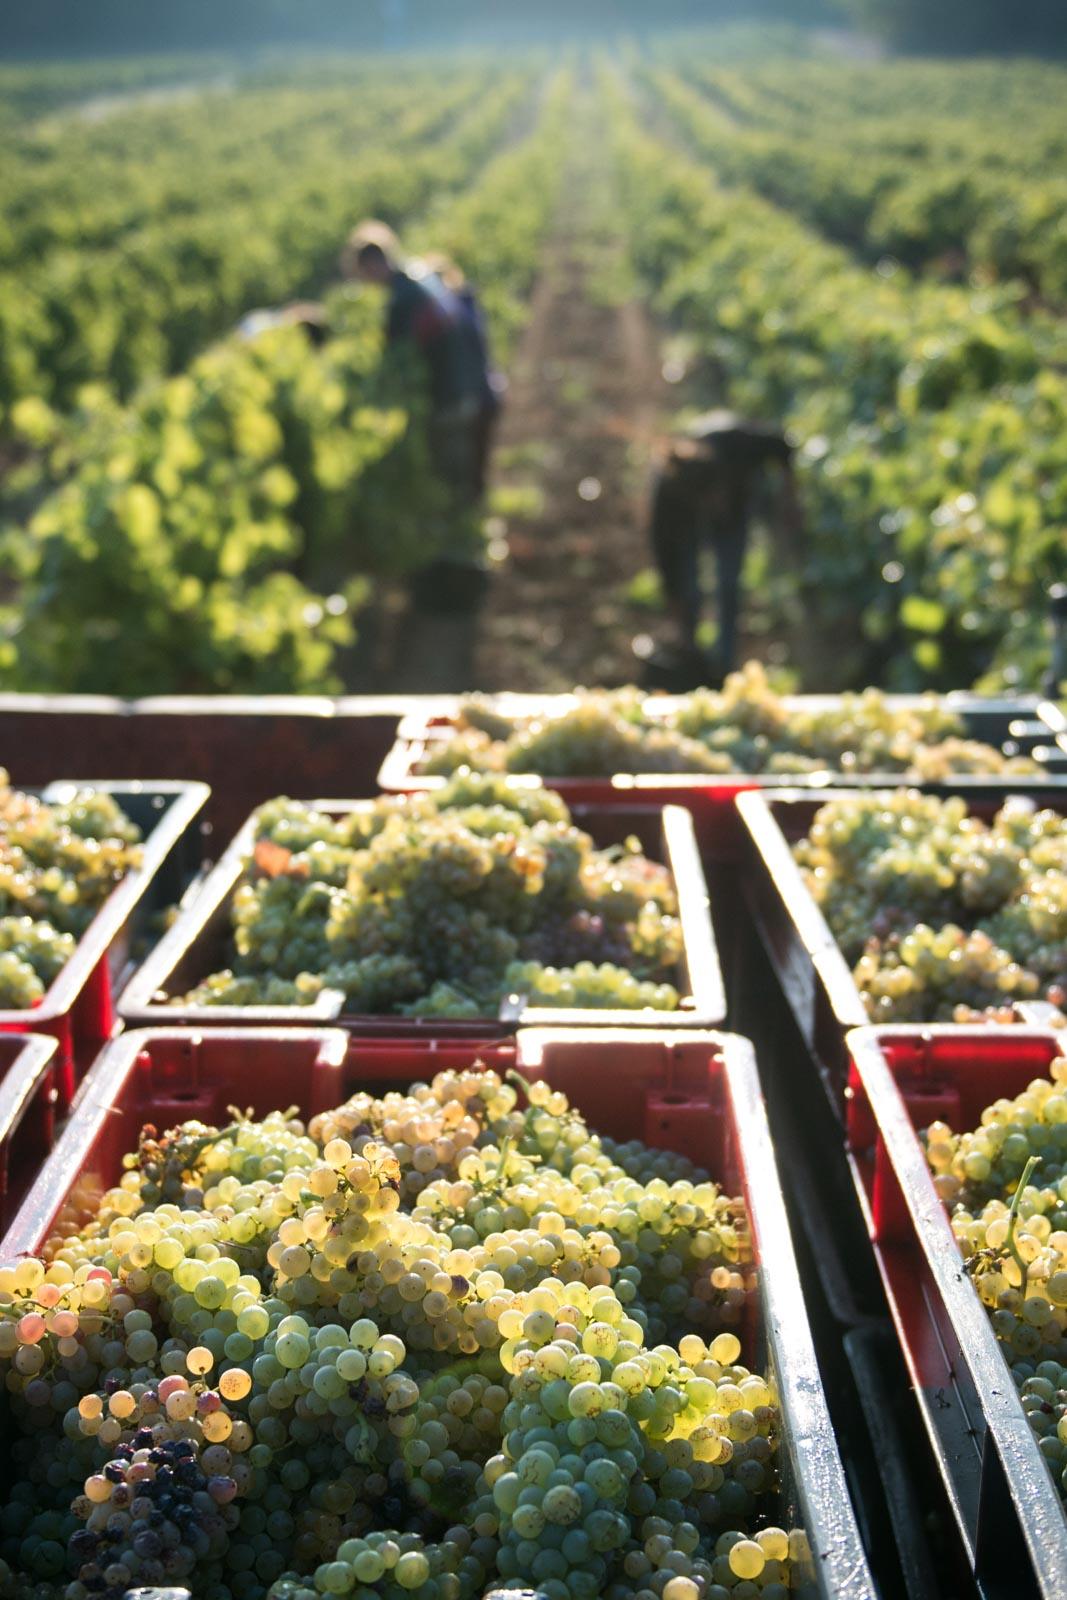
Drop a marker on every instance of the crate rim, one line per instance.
(138, 1007)
(32, 1056)
(522, 702)
(1027, 1480)
(777, 860)
(186, 800)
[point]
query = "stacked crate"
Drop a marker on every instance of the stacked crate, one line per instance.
(832, 1173)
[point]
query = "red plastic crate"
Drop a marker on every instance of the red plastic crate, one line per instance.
(27, 1113)
(709, 796)
(1016, 726)
(1002, 1494)
(815, 977)
(198, 942)
(78, 1009)
(169, 1075)
(696, 1093)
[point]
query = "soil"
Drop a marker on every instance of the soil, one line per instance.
(587, 404)
(595, 386)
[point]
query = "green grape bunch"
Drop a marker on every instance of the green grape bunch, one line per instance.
(444, 905)
(1005, 1184)
(943, 916)
(58, 864)
(744, 727)
(433, 1340)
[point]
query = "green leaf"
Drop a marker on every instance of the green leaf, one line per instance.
(922, 615)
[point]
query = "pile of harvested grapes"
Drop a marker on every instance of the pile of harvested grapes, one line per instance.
(428, 1342)
(745, 727)
(1006, 1182)
(443, 905)
(946, 917)
(58, 864)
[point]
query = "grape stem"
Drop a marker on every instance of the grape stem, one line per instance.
(1013, 1216)
(506, 1145)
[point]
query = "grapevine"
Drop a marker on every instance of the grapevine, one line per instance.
(242, 509)
(934, 518)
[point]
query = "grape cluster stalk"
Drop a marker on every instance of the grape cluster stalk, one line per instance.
(434, 1341)
(58, 863)
(443, 905)
(744, 727)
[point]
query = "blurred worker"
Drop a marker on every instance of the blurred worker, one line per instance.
(423, 314)
(490, 383)
(703, 499)
(306, 314)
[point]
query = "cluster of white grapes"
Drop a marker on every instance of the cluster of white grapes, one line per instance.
(442, 905)
(946, 917)
(744, 727)
(58, 863)
(1006, 1185)
(434, 1341)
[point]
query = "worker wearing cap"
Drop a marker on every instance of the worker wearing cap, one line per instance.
(423, 314)
(481, 376)
(703, 499)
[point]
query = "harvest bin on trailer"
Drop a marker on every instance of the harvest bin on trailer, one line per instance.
(1014, 726)
(696, 1093)
(78, 1009)
(197, 944)
(27, 1113)
(815, 977)
(1001, 1492)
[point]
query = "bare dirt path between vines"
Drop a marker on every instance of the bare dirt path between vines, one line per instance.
(587, 403)
(589, 406)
